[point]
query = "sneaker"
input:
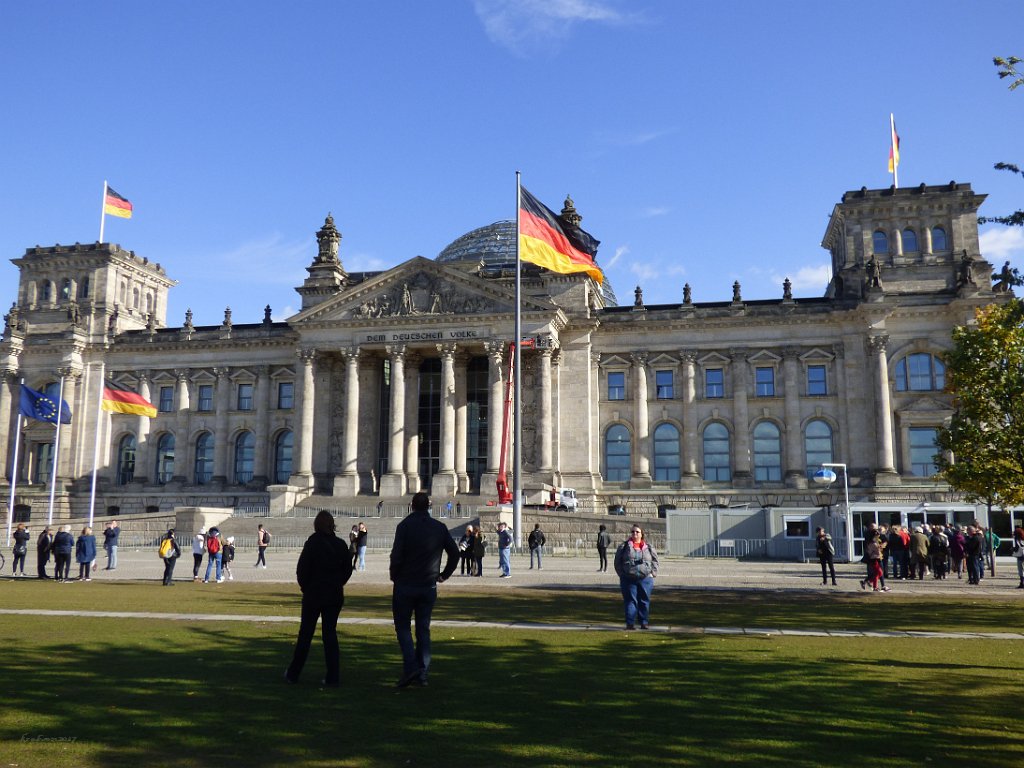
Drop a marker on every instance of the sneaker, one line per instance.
(885, 589)
(863, 584)
(220, 579)
(289, 679)
(231, 578)
(630, 626)
(645, 626)
(406, 680)
(263, 567)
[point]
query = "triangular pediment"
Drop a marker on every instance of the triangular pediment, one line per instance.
(926, 405)
(419, 288)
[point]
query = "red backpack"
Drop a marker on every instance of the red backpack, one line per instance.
(213, 544)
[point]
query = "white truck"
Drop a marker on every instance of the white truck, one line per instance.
(550, 497)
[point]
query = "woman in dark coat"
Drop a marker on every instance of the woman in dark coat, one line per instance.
(21, 539)
(63, 546)
(85, 553)
(324, 568)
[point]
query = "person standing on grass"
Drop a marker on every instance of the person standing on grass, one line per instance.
(172, 557)
(825, 550)
(111, 535)
(504, 550)
(353, 551)
(636, 563)
(416, 572)
(1018, 553)
(262, 542)
(44, 545)
(63, 546)
(361, 536)
(85, 553)
(604, 540)
(323, 570)
(536, 540)
(198, 550)
(21, 538)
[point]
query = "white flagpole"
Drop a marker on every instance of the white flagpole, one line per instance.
(517, 457)
(55, 461)
(103, 209)
(14, 472)
(96, 448)
(895, 152)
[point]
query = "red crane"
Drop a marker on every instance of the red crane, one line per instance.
(504, 494)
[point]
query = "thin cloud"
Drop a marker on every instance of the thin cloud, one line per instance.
(806, 280)
(655, 211)
(268, 261)
(1004, 243)
(652, 270)
(621, 251)
(284, 314)
(530, 24)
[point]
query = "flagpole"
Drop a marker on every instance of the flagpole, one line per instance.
(517, 458)
(14, 472)
(103, 209)
(55, 461)
(96, 448)
(894, 150)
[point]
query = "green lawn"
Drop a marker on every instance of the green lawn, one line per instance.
(134, 692)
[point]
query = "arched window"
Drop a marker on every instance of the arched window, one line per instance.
(666, 453)
(618, 460)
(45, 293)
(124, 294)
(920, 372)
(204, 458)
(767, 453)
(283, 457)
(149, 303)
(245, 453)
(135, 298)
(65, 289)
(939, 241)
(83, 288)
(817, 445)
(880, 242)
(165, 458)
(126, 460)
(716, 453)
(909, 241)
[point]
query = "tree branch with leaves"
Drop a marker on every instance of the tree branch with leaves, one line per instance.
(1007, 68)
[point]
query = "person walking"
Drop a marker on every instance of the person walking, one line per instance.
(1018, 553)
(63, 546)
(636, 564)
(826, 551)
(361, 535)
(323, 570)
(536, 540)
(262, 542)
(604, 540)
(111, 536)
(21, 538)
(415, 572)
(170, 552)
(44, 546)
(504, 550)
(228, 557)
(198, 550)
(85, 553)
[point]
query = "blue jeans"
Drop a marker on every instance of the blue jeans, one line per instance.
(505, 560)
(112, 557)
(532, 553)
(313, 609)
(362, 558)
(636, 596)
(405, 602)
(209, 564)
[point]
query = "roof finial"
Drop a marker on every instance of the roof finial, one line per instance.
(569, 214)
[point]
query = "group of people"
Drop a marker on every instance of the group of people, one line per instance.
(61, 546)
(218, 549)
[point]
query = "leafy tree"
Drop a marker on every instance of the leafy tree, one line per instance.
(983, 446)
(1008, 68)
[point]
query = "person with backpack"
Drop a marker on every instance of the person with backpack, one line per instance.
(198, 550)
(21, 537)
(229, 556)
(169, 551)
(825, 550)
(262, 542)
(536, 541)
(214, 545)
(636, 563)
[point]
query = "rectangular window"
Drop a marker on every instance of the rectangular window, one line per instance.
(166, 399)
(617, 385)
(797, 527)
(923, 447)
(714, 383)
(245, 397)
(285, 395)
(816, 384)
(205, 397)
(663, 383)
(764, 379)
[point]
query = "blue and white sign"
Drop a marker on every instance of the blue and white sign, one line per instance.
(824, 476)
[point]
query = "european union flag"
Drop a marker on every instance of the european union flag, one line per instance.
(37, 405)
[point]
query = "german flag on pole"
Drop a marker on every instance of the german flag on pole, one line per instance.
(115, 205)
(894, 146)
(548, 242)
(121, 400)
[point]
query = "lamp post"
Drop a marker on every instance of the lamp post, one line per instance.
(846, 504)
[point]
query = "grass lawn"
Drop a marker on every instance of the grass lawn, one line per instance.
(134, 692)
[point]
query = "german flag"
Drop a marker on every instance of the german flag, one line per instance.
(115, 205)
(121, 400)
(548, 242)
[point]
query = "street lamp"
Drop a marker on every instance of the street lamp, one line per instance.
(827, 477)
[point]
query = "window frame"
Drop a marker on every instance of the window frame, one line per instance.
(813, 383)
(912, 448)
(204, 398)
(717, 469)
(670, 473)
(711, 387)
(281, 478)
(613, 473)
(765, 472)
(244, 396)
(616, 392)
(799, 520)
(205, 456)
(875, 250)
(664, 391)
(165, 401)
(281, 398)
(764, 388)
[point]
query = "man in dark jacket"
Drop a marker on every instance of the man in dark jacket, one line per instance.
(415, 567)
(536, 540)
(43, 546)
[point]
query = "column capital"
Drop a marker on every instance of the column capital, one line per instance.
(307, 355)
(350, 354)
(69, 373)
(790, 353)
(688, 355)
(639, 358)
(448, 350)
(182, 374)
(595, 358)
(839, 350)
(261, 370)
(143, 375)
(738, 354)
(878, 343)
(220, 372)
(395, 350)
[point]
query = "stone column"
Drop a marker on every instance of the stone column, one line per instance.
(495, 411)
(7, 379)
(142, 467)
(393, 481)
(885, 473)
(412, 421)
(461, 423)
(444, 484)
(302, 470)
(544, 413)
(62, 463)
(926, 241)
(347, 484)
(794, 468)
(841, 443)
(264, 444)
(897, 242)
(741, 418)
(642, 451)
(690, 477)
(220, 438)
(181, 469)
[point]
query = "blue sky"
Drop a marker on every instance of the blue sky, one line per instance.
(703, 142)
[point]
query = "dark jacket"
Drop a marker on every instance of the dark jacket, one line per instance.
(110, 537)
(416, 554)
(44, 543)
(324, 568)
(361, 539)
(536, 538)
(21, 541)
(85, 549)
(604, 540)
(63, 543)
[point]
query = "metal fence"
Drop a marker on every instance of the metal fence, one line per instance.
(769, 549)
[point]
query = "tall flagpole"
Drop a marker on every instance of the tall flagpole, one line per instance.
(894, 151)
(103, 209)
(14, 472)
(96, 447)
(55, 460)
(517, 457)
